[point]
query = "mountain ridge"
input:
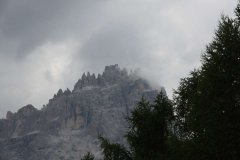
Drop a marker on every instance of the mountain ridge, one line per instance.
(68, 126)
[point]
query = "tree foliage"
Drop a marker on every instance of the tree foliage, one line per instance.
(208, 101)
(88, 156)
(113, 151)
(149, 128)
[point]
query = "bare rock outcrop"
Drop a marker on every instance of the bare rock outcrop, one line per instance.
(68, 126)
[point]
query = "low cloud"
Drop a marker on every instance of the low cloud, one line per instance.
(46, 45)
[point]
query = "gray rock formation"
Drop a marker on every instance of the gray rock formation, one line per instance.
(68, 126)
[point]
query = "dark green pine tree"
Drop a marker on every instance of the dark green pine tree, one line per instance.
(208, 101)
(113, 151)
(88, 156)
(149, 129)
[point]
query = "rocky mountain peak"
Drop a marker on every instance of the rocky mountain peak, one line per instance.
(111, 74)
(25, 111)
(111, 69)
(9, 115)
(60, 92)
(66, 92)
(69, 125)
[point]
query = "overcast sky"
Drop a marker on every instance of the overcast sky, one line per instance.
(47, 44)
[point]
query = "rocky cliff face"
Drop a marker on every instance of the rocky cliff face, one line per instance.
(68, 126)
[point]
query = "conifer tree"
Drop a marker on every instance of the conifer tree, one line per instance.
(148, 131)
(208, 101)
(88, 156)
(113, 151)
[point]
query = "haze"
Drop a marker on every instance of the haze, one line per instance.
(46, 45)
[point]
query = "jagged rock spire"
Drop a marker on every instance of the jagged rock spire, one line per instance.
(67, 91)
(60, 92)
(111, 74)
(9, 115)
(88, 74)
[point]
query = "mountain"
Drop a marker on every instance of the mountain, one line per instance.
(69, 125)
